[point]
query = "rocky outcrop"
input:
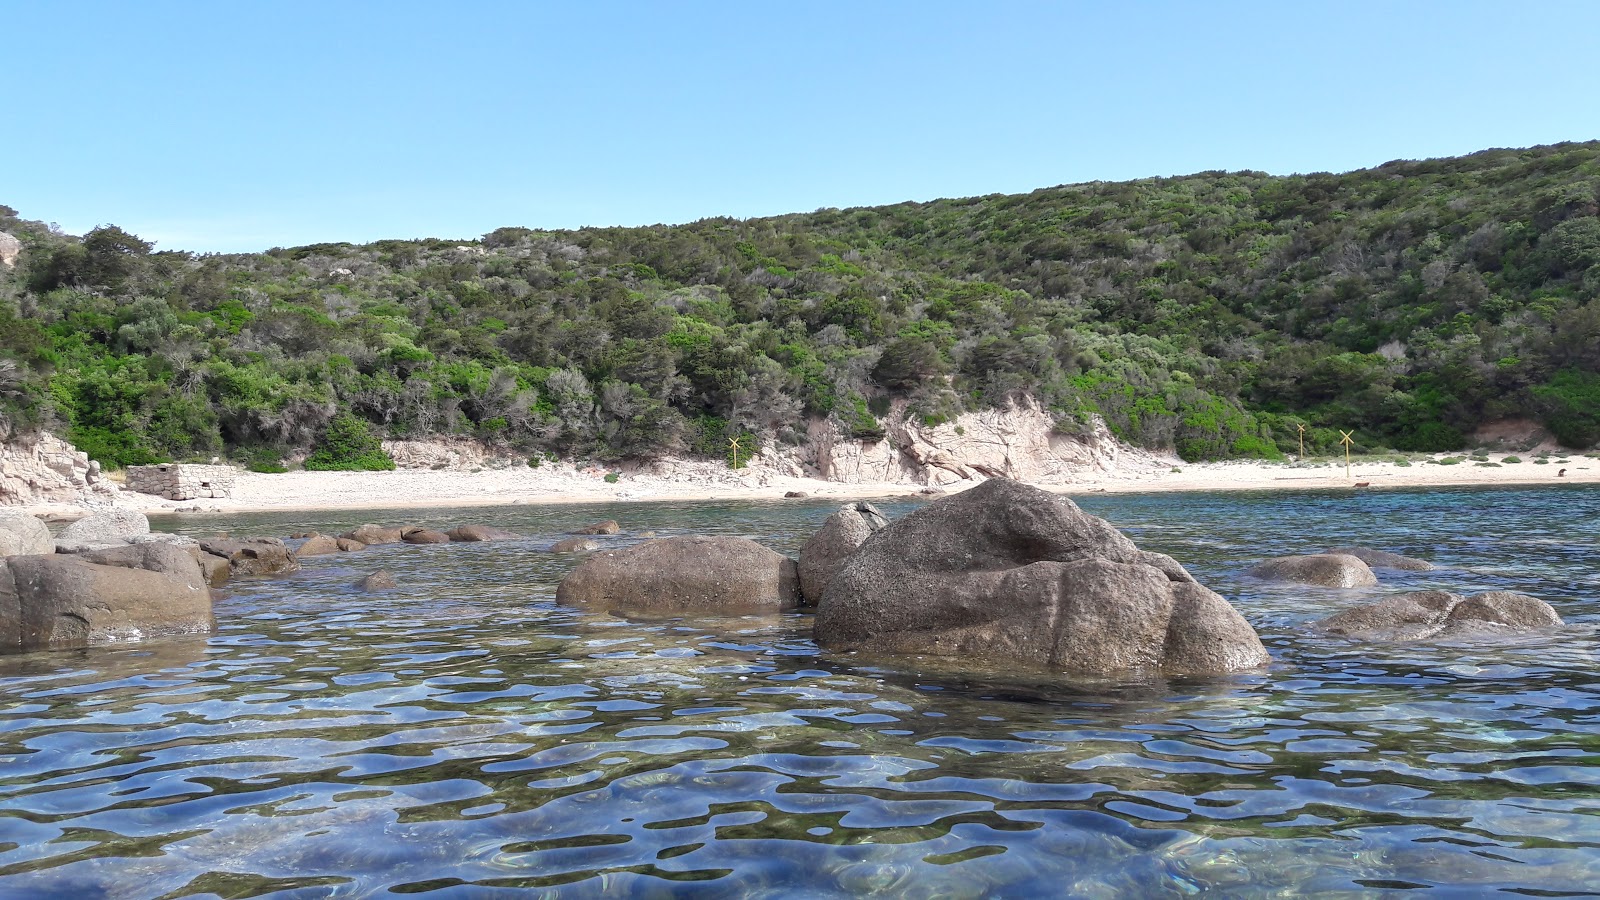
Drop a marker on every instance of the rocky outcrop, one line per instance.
(21, 534)
(609, 526)
(574, 545)
(840, 536)
(43, 469)
(347, 545)
(107, 527)
(1321, 569)
(476, 533)
(1007, 572)
(253, 556)
(1427, 615)
(685, 575)
(424, 536)
(10, 249)
(110, 596)
(1383, 559)
(375, 534)
(1021, 442)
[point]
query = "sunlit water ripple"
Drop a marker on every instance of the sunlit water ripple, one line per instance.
(463, 735)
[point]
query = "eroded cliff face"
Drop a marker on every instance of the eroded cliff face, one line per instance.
(1018, 442)
(44, 469)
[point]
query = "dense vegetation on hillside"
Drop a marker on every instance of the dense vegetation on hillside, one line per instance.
(1208, 313)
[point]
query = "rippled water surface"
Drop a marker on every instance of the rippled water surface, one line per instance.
(465, 736)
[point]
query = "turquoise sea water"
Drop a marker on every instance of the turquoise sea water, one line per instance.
(465, 736)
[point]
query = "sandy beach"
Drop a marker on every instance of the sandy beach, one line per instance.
(692, 480)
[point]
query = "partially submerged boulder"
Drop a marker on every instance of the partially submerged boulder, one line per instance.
(1424, 615)
(23, 535)
(374, 534)
(840, 536)
(685, 574)
(476, 533)
(1008, 572)
(318, 545)
(1383, 559)
(425, 536)
(609, 526)
(380, 580)
(106, 528)
(123, 594)
(1336, 570)
(347, 545)
(253, 556)
(574, 545)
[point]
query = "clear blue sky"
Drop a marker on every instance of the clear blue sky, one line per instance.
(241, 126)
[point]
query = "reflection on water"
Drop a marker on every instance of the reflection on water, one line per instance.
(464, 734)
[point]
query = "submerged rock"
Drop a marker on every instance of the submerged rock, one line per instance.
(1383, 559)
(840, 536)
(574, 545)
(1005, 572)
(1423, 615)
(253, 556)
(349, 545)
(1322, 569)
(23, 535)
(122, 594)
(609, 526)
(380, 580)
(425, 536)
(318, 545)
(375, 534)
(685, 574)
(476, 533)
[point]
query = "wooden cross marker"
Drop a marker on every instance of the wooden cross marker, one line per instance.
(1302, 439)
(1346, 440)
(733, 451)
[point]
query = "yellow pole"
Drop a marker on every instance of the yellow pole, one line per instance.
(1347, 442)
(1302, 440)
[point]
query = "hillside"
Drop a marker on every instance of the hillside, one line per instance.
(1210, 314)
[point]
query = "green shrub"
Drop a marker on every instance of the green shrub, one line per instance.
(1511, 459)
(1450, 461)
(611, 477)
(1489, 465)
(348, 446)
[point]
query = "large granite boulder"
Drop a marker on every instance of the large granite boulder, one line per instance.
(685, 574)
(1383, 559)
(108, 527)
(253, 556)
(1336, 570)
(1008, 572)
(121, 594)
(840, 536)
(375, 534)
(475, 533)
(1424, 615)
(21, 534)
(609, 526)
(318, 545)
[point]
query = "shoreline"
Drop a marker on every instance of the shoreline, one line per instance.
(564, 484)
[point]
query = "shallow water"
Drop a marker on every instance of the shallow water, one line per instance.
(463, 735)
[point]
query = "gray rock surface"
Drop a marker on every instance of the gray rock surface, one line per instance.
(1424, 615)
(253, 556)
(1007, 572)
(347, 545)
(475, 533)
(21, 534)
(10, 249)
(826, 552)
(123, 594)
(318, 545)
(685, 575)
(1383, 559)
(609, 526)
(107, 527)
(574, 545)
(1321, 569)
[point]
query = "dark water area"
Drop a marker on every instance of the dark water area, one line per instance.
(465, 736)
